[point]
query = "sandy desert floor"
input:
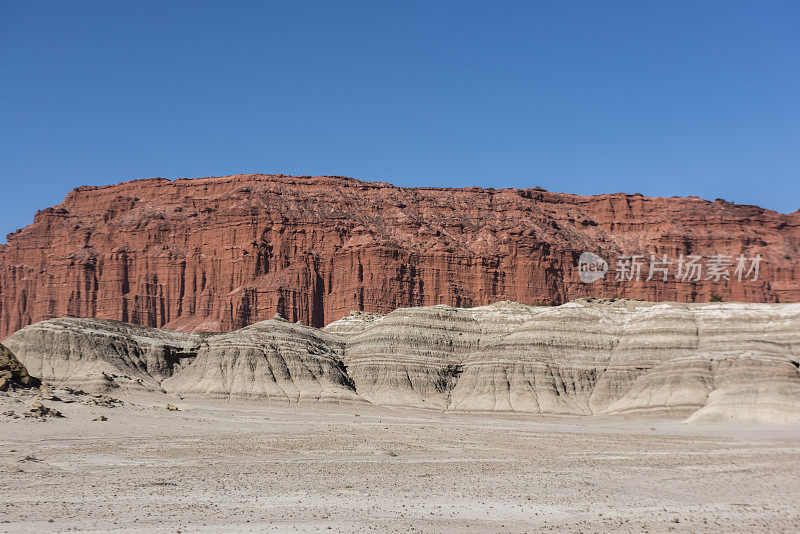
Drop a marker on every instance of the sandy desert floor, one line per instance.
(357, 468)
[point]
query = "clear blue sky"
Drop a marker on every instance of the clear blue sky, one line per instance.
(662, 98)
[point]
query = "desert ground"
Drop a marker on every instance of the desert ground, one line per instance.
(351, 467)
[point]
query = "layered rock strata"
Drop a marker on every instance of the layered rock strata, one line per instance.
(711, 362)
(272, 359)
(97, 355)
(728, 361)
(217, 254)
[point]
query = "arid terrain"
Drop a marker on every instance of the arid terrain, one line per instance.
(227, 467)
(709, 362)
(558, 292)
(593, 416)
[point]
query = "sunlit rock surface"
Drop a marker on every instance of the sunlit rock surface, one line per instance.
(13, 374)
(707, 362)
(97, 355)
(273, 359)
(220, 253)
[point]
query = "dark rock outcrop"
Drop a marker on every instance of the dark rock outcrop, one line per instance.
(12, 373)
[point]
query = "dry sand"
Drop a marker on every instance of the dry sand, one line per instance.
(356, 468)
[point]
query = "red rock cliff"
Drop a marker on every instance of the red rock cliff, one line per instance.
(219, 253)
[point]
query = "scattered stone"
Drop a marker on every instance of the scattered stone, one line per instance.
(41, 411)
(100, 418)
(172, 408)
(104, 401)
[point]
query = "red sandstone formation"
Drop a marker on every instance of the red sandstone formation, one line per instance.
(220, 253)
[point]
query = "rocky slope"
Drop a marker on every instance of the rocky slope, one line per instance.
(272, 359)
(97, 355)
(714, 361)
(12, 373)
(719, 361)
(413, 356)
(218, 254)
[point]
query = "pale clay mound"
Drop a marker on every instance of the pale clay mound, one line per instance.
(97, 355)
(272, 359)
(711, 362)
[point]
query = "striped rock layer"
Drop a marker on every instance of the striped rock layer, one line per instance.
(720, 361)
(218, 254)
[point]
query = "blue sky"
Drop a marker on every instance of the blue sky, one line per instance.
(661, 98)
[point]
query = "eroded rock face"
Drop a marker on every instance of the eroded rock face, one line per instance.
(413, 356)
(218, 254)
(752, 387)
(12, 373)
(550, 363)
(729, 360)
(274, 360)
(712, 362)
(97, 355)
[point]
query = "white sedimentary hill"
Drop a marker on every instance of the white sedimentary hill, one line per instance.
(272, 359)
(723, 360)
(412, 357)
(355, 323)
(720, 361)
(97, 354)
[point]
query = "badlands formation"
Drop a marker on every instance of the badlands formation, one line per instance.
(708, 362)
(498, 418)
(97, 355)
(218, 254)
